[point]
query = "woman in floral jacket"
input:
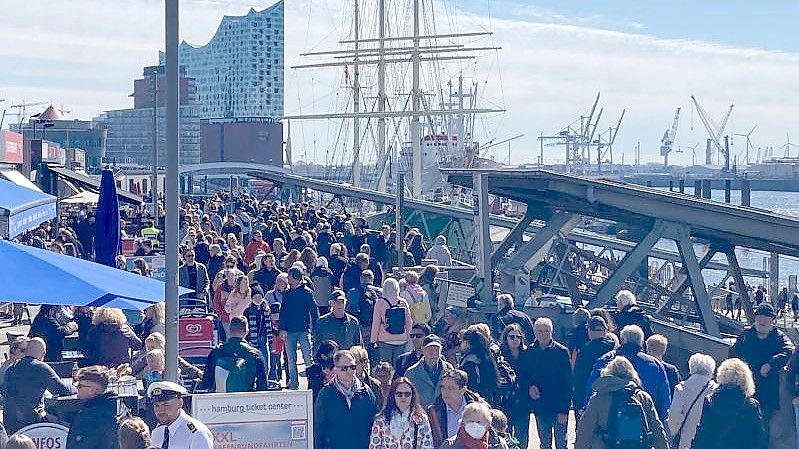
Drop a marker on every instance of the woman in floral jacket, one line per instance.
(402, 424)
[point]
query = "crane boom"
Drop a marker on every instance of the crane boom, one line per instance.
(707, 122)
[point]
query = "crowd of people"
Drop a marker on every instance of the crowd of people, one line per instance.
(390, 365)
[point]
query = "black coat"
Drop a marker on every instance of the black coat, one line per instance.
(552, 374)
(110, 344)
(298, 313)
(520, 402)
(95, 424)
(508, 316)
(730, 421)
(633, 315)
(587, 356)
(339, 426)
(775, 350)
(53, 333)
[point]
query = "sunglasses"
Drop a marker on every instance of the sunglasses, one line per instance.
(417, 335)
(514, 337)
(346, 368)
(403, 394)
(231, 266)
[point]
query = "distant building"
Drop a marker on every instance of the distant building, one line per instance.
(239, 72)
(242, 140)
(131, 131)
(71, 135)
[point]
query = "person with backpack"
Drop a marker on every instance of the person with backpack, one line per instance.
(421, 311)
(391, 322)
(628, 312)
(620, 414)
(479, 363)
(514, 349)
(651, 372)
(235, 366)
(549, 385)
(361, 301)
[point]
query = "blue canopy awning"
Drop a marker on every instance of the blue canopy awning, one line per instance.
(23, 209)
(37, 276)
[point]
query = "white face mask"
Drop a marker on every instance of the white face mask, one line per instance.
(475, 430)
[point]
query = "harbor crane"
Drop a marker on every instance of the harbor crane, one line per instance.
(714, 130)
(667, 142)
(22, 109)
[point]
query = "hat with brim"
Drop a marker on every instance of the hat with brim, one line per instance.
(765, 309)
(164, 391)
(432, 340)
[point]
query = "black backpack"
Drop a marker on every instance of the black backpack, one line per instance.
(507, 383)
(366, 306)
(395, 318)
(628, 427)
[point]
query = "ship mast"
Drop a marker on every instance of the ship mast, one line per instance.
(416, 138)
(381, 96)
(356, 104)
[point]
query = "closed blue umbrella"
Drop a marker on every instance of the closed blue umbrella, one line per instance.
(107, 238)
(38, 276)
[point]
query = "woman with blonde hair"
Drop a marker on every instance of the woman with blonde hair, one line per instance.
(110, 340)
(20, 442)
(156, 340)
(154, 320)
(731, 417)
(617, 381)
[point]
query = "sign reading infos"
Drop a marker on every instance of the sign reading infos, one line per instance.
(46, 435)
(268, 419)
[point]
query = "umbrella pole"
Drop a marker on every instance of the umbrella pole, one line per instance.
(171, 197)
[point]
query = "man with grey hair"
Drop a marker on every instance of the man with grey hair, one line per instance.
(508, 314)
(628, 312)
(650, 370)
(25, 384)
(549, 385)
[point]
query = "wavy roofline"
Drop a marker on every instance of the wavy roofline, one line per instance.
(226, 19)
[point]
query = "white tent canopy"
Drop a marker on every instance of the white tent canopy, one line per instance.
(84, 197)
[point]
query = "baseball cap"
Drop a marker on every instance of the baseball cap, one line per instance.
(765, 309)
(432, 340)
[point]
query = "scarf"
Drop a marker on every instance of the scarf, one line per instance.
(471, 443)
(347, 392)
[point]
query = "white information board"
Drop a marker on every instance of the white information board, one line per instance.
(273, 419)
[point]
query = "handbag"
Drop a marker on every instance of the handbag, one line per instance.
(676, 438)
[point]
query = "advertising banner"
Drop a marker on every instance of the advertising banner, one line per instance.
(11, 147)
(267, 420)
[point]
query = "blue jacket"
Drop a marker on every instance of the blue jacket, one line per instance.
(338, 425)
(650, 370)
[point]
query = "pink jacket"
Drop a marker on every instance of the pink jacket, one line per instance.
(236, 303)
(379, 333)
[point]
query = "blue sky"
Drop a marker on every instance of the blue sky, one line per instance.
(768, 25)
(646, 57)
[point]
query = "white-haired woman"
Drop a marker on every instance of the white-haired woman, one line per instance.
(731, 418)
(618, 379)
(391, 322)
(689, 398)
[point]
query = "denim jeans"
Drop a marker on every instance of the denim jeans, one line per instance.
(304, 340)
(520, 426)
(263, 346)
(546, 424)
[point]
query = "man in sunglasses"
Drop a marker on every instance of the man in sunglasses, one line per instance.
(345, 408)
(406, 360)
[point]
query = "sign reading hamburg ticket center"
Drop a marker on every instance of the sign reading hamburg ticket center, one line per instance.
(258, 420)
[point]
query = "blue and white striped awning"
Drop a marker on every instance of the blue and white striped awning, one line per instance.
(23, 209)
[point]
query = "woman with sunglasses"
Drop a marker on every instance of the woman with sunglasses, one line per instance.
(513, 347)
(402, 423)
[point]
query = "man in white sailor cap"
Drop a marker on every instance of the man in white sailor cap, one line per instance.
(176, 429)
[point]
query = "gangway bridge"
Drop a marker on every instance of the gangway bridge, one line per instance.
(547, 239)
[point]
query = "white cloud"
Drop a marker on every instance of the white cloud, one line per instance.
(546, 75)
